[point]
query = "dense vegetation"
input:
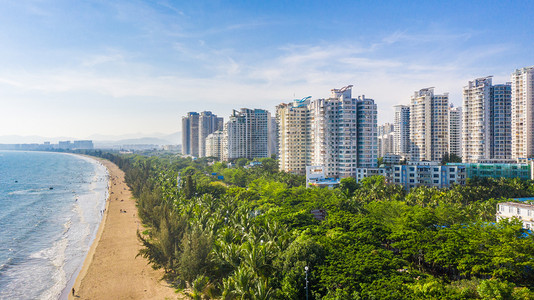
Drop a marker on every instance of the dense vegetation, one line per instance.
(251, 234)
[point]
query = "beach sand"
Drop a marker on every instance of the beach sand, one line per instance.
(111, 269)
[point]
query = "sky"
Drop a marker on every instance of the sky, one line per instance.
(85, 68)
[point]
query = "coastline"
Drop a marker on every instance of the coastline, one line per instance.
(70, 283)
(111, 269)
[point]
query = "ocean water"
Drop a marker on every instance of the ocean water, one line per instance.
(50, 207)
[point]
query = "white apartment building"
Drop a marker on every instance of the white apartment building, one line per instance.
(343, 133)
(367, 118)
(502, 121)
(338, 133)
(207, 123)
(246, 134)
(455, 130)
(521, 211)
(402, 130)
(486, 121)
(386, 138)
(523, 113)
(294, 138)
(214, 144)
(476, 120)
(429, 125)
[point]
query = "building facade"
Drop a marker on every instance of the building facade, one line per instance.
(246, 134)
(486, 120)
(430, 174)
(521, 211)
(429, 125)
(214, 144)
(343, 133)
(207, 123)
(402, 130)
(294, 136)
(496, 170)
(523, 113)
(386, 139)
(338, 133)
(501, 121)
(455, 130)
(190, 134)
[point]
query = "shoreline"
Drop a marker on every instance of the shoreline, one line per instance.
(111, 267)
(71, 282)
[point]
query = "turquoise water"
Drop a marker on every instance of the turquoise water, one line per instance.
(50, 207)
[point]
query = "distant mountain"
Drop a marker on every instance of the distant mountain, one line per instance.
(31, 139)
(138, 141)
(138, 138)
(174, 138)
(101, 140)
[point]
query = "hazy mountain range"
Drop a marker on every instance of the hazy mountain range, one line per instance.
(100, 139)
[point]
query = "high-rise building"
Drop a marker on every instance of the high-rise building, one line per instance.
(190, 134)
(207, 123)
(367, 118)
(214, 143)
(344, 132)
(501, 95)
(477, 120)
(486, 121)
(402, 130)
(386, 137)
(338, 133)
(273, 137)
(246, 134)
(455, 130)
(429, 125)
(523, 113)
(294, 138)
(195, 129)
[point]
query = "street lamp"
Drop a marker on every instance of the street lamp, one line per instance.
(306, 269)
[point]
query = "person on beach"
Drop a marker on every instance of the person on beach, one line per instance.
(72, 291)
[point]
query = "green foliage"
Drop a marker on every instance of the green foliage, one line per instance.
(251, 234)
(450, 158)
(348, 186)
(495, 289)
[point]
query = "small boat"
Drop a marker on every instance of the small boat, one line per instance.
(51, 188)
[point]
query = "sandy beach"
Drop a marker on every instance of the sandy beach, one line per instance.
(111, 269)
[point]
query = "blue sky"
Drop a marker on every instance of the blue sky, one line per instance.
(78, 68)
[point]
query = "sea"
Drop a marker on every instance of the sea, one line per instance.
(51, 205)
